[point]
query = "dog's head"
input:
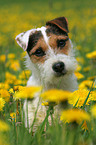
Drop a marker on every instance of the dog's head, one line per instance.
(49, 49)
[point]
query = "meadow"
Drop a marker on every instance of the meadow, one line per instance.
(79, 126)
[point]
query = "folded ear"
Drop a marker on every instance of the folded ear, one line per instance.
(23, 38)
(60, 22)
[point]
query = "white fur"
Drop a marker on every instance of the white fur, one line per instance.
(43, 29)
(43, 74)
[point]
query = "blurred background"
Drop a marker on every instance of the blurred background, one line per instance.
(21, 15)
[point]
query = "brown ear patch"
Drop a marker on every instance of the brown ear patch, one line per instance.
(33, 39)
(60, 22)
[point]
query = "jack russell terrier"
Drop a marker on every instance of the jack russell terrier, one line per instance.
(50, 57)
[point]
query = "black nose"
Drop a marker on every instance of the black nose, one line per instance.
(58, 67)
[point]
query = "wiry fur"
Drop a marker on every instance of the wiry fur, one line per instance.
(43, 75)
(46, 74)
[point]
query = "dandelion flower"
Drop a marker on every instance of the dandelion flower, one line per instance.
(10, 78)
(2, 103)
(24, 74)
(17, 88)
(74, 115)
(45, 104)
(80, 96)
(11, 56)
(11, 91)
(79, 75)
(78, 68)
(86, 84)
(15, 65)
(2, 58)
(5, 95)
(93, 95)
(55, 95)
(91, 78)
(4, 86)
(91, 55)
(13, 116)
(27, 92)
(87, 69)
(80, 60)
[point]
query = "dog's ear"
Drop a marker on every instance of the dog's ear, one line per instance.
(23, 38)
(60, 22)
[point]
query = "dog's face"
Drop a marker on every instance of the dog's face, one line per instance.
(49, 49)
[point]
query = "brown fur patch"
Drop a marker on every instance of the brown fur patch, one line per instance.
(53, 43)
(33, 39)
(41, 43)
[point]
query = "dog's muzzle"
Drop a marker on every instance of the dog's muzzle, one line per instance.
(59, 68)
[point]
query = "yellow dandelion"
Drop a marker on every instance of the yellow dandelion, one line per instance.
(55, 95)
(5, 95)
(91, 55)
(86, 69)
(78, 68)
(74, 115)
(2, 58)
(80, 96)
(2, 103)
(3, 126)
(9, 62)
(86, 84)
(27, 92)
(10, 78)
(17, 88)
(80, 60)
(45, 104)
(4, 86)
(11, 56)
(15, 65)
(91, 78)
(18, 82)
(79, 75)
(24, 74)
(93, 95)
(93, 111)
(13, 116)
(11, 91)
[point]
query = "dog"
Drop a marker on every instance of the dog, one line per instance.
(50, 57)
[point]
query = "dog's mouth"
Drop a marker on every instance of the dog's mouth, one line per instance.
(60, 74)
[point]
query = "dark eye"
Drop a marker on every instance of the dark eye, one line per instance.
(61, 43)
(39, 52)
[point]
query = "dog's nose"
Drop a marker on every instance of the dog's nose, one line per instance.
(58, 67)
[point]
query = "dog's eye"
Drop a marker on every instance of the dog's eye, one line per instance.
(61, 43)
(39, 52)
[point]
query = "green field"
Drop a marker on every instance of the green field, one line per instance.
(19, 16)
